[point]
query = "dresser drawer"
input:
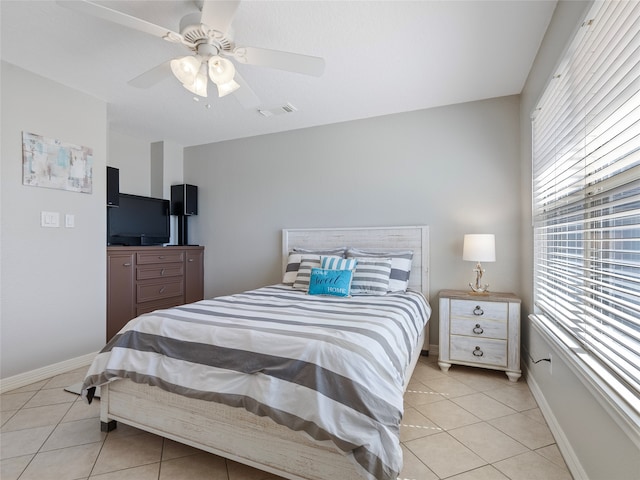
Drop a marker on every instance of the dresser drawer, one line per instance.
(479, 327)
(147, 307)
(145, 258)
(158, 290)
(159, 271)
(483, 351)
(480, 309)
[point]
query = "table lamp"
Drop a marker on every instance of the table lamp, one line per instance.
(479, 248)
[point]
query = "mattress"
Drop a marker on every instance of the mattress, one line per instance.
(331, 367)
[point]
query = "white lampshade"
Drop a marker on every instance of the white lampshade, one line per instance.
(199, 84)
(227, 88)
(221, 70)
(479, 248)
(186, 69)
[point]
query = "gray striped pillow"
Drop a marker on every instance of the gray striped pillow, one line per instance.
(400, 265)
(295, 256)
(371, 276)
(304, 272)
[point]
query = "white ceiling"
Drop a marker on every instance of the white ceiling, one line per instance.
(382, 57)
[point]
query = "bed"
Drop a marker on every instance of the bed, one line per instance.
(289, 438)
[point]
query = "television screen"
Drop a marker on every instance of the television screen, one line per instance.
(138, 221)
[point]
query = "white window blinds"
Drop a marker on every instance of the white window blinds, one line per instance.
(586, 197)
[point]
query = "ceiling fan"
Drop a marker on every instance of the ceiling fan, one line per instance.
(209, 36)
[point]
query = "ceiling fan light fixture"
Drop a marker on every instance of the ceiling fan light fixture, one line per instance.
(186, 68)
(227, 88)
(221, 70)
(199, 84)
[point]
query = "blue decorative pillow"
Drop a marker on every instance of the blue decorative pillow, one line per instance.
(335, 263)
(330, 282)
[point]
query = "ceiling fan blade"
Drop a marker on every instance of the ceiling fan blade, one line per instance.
(106, 13)
(219, 14)
(153, 76)
(245, 95)
(291, 62)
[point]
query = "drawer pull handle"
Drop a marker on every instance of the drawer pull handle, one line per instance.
(477, 352)
(126, 264)
(191, 259)
(478, 311)
(161, 290)
(161, 257)
(162, 272)
(478, 330)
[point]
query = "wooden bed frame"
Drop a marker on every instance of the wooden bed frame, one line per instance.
(236, 434)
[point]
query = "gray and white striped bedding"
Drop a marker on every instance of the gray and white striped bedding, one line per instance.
(330, 366)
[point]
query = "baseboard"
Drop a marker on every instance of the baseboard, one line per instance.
(27, 378)
(570, 457)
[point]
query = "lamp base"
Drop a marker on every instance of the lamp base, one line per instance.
(477, 287)
(474, 292)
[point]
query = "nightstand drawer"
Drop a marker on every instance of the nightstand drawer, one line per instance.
(480, 309)
(485, 351)
(480, 328)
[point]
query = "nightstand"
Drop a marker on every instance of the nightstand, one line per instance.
(480, 331)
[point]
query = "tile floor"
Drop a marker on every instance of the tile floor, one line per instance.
(467, 424)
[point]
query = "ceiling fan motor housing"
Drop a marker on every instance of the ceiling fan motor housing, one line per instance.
(201, 36)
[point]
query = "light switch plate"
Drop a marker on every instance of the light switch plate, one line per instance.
(50, 219)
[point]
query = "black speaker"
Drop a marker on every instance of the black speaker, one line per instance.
(113, 187)
(184, 200)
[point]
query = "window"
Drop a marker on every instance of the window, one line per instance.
(586, 200)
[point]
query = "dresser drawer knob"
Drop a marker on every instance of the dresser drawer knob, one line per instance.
(161, 290)
(478, 330)
(478, 311)
(162, 272)
(126, 264)
(477, 352)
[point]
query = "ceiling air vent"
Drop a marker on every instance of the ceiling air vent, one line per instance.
(286, 108)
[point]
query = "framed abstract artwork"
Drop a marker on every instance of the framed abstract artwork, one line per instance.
(51, 163)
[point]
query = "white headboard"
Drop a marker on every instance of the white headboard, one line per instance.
(414, 238)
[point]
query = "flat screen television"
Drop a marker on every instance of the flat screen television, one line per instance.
(138, 221)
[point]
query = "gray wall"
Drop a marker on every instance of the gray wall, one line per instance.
(52, 279)
(454, 168)
(591, 440)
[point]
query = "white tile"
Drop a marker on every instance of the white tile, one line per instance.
(145, 472)
(487, 472)
(12, 468)
(36, 417)
(413, 468)
(415, 425)
(482, 406)
(202, 465)
(525, 430)
(531, 466)
(23, 442)
(488, 442)
(65, 464)
(74, 433)
(128, 451)
(444, 455)
(447, 415)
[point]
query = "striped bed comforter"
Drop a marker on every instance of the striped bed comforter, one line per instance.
(332, 367)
